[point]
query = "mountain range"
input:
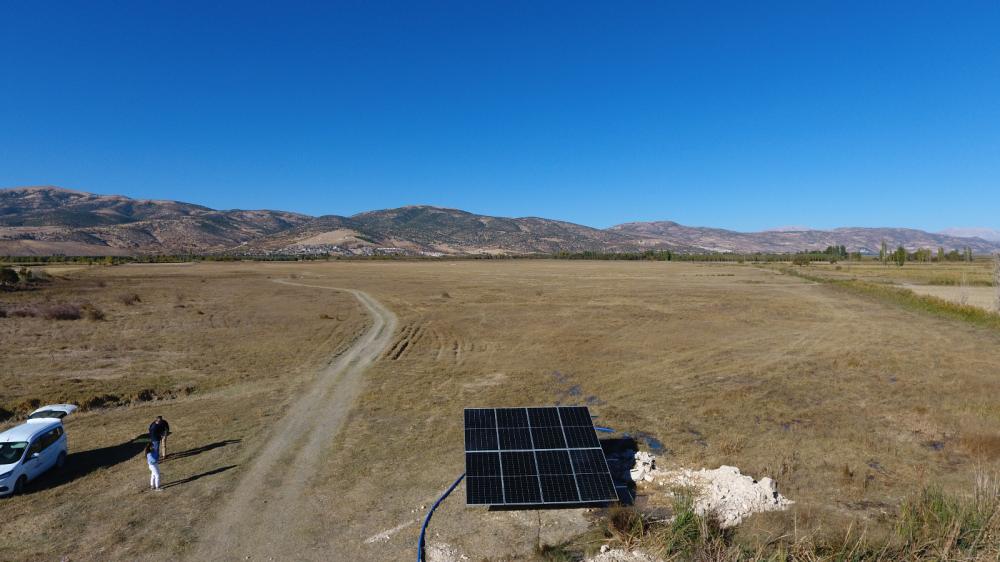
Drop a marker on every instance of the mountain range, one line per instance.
(50, 220)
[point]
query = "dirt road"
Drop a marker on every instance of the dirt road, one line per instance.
(266, 515)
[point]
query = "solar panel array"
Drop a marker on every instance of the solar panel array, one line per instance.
(530, 456)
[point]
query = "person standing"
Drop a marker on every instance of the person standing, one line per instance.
(153, 460)
(158, 431)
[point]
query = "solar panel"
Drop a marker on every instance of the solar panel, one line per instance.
(534, 456)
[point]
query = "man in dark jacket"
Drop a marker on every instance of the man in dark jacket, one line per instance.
(158, 431)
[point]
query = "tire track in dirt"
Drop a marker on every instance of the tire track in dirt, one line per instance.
(265, 517)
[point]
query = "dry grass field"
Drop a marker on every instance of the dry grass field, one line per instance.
(976, 274)
(960, 283)
(852, 404)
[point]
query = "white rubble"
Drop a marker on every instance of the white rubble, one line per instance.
(620, 555)
(443, 552)
(723, 493)
(644, 467)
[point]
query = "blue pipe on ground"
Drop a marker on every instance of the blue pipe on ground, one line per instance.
(423, 529)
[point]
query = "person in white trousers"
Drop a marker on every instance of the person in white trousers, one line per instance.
(153, 460)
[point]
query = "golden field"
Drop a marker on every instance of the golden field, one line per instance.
(851, 403)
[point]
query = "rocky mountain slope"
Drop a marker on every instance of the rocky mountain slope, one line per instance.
(865, 240)
(433, 230)
(50, 220)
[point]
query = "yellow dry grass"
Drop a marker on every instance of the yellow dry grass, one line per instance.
(850, 403)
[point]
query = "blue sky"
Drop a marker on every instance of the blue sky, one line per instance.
(743, 115)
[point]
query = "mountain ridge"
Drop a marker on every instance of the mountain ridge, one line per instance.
(46, 220)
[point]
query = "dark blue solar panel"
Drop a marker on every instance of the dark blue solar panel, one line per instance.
(544, 417)
(581, 437)
(534, 456)
(521, 490)
(553, 462)
(588, 461)
(518, 463)
(482, 464)
(576, 415)
(515, 438)
(596, 487)
(484, 490)
(548, 437)
(512, 417)
(482, 418)
(480, 440)
(559, 488)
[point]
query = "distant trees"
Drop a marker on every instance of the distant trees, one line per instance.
(899, 256)
(940, 254)
(922, 255)
(835, 253)
(883, 253)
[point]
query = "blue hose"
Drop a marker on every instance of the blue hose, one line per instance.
(604, 429)
(423, 529)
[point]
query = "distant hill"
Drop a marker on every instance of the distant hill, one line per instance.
(865, 240)
(50, 220)
(434, 230)
(989, 234)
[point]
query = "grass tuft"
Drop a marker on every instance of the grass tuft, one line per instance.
(933, 525)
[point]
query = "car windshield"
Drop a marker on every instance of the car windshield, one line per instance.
(12, 452)
(59, 414)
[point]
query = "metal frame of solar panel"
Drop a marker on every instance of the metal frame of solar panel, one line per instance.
(534, 456)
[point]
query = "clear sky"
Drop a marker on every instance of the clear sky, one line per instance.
(744, 115)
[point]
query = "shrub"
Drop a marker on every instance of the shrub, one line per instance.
(101, 401)
(8, 277)
(63, 311)
(128, 299)
(93, 313)
(625, 525)
(28, 405)
(58, 311)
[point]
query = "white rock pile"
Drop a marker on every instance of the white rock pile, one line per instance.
(620, 555)
(644, 468)
(723, 493)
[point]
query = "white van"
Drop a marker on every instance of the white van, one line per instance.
(30, 449)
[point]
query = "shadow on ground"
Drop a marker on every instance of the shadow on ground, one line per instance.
(199, 450)
(197, 476)
(81, 464)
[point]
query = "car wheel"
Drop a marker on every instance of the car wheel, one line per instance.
(19, 485)
(61, 460)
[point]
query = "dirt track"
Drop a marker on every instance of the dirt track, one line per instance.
(265, 517)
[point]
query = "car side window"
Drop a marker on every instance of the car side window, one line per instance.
(49, 438)
(35, 447)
